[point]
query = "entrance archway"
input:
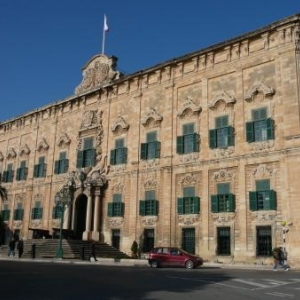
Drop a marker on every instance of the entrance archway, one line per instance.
(80, 215)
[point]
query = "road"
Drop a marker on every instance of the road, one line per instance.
(47, 281)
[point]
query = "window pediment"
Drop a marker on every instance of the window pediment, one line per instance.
(63, 141)
(221, 96)
(151, 114)
(42, 146)
(120, 122)
(11, 153)
(259, 87)
(24, 151)
(189, 106)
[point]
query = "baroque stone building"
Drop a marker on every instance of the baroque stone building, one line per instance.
(201, 152)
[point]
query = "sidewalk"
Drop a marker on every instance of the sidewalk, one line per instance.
(135, 263)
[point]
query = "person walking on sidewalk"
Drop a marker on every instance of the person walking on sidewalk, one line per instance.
(20, 247)
(11, 247)
(92, 252)
(278, 257)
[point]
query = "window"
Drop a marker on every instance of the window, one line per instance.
(189, 204)
(224, 201)
(149, 206)
(86, 157)
(19, 212)
(5, 213)
(57, 212)
(189, 141)
(8, 175)
(150, 149)
(116, 208)
(223, 238)
(61, 166)
(22, 171)
(263, 241)
(263, 198)
(223, 135)
(119, 154)
(40, 168)
(261, 128)
(37, 211)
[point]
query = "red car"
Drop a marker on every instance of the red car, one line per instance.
(173, 257)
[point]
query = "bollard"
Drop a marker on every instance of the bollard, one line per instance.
(33, 246)
(82, 253)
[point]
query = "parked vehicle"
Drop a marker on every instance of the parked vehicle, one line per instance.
(173, 257)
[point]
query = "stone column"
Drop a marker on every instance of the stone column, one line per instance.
(96, 233)
(88, 220)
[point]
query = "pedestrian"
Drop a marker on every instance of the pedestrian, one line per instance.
(11, 247)
(20, 247)
(278, 257)
(92, 252)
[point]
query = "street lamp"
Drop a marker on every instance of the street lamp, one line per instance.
(62, 198)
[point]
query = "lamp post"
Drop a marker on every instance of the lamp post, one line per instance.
(63, 198)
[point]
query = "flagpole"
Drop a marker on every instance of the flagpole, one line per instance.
(105, 28)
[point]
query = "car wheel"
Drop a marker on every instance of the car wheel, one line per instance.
(189, 264)
(154, 264)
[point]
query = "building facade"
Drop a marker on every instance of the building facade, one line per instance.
(201, 152)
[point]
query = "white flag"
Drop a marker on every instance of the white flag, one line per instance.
(105, 24)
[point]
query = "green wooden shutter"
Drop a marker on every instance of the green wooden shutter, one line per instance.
(231, 199)
(270, 129)
(36, 171)
(212, 138)
(113, 157)
(196, 205)
(155, 207)
(144, 147)
(180, 206)
(180, 145)
(196, 142)
(122, 209)
(253, 201)
(142, 208)
(65, 165)
(25, 173)
(44, 170)
(18, 177)
(230, 135)
(249, 132)
(79, 163)
(273, 202)
(110, 209)
(53, 212)
(124, 155)
(157, 149)
(56, 167)
(214, 206)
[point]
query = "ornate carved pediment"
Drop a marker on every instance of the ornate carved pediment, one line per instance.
(264, 146)
(221, 96)
(24, 151)
(99, 70)
(42, 146)
(188, 220)
(264, 216)
(189, 180)
(115, 221)
(36, 223)
(223, 175)
(63, 141)
(149, 220)
(189, 105)
(17, 224)
(91, 119)
(55, 223)
(118, 188)
(259, 87)
(150, 115)
(223, 152)
(150, 184)
(38, 198)
(120, 122)
(11, 153)
(223, 218)
(263, 171)
(189, 158)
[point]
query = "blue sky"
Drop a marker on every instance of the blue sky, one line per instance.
(45, 43)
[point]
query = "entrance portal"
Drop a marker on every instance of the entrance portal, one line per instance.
(80, 215)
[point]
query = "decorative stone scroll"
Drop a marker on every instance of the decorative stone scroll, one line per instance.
(99, 70)
(17, 224)
(115, 221)
(188, 220)
(189, 105)
(24, 151)
(223, 175)
(221, 96)
(150, 185)
(264, 216)
(120, 122)
(263, 171)
(91, 119)
(11, 153)
(63, 141)
(151, 114)
(223, 218)
(42, 146)
(259, 87)
(189, 180)
(149, 220)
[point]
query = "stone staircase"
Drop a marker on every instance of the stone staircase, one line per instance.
(72, 249)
